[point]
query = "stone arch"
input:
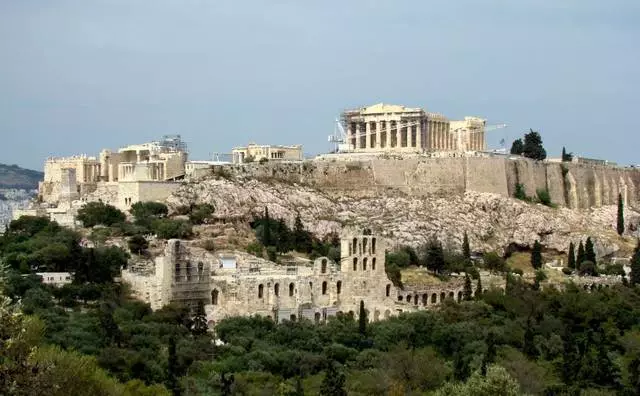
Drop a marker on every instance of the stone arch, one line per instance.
(364, 264)
(434, 298)
(355, 245)
(376, 315)
(415, 299)
(276, 289)
(291, 288)
(292, 317)
(260, 290)
(459, 296)
(425, 299)
(387, 314)
(323, 266)
(338, 287)
(399, 297)
(364, 245)
(452, 295)
(442, 296)
(324, 287)
(316, 317)
(200, 267)
(373, 264)
(373, 246)
(214, 296)
(355, 263)
(388, 290)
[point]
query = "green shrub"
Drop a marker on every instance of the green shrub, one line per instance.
(588, 268)
(99, 213)
(209, 245)
(567, 271)
(255, 248)
(170, 229)
(520, 192)
(544, 197)
(138, 244)
(200, 213)
(272, 253)
(145, 210)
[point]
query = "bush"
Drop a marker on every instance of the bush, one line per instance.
(493, 262)
(567, 271)
(520, 192)
(263, 160)
(588, 268)
(614, 269)
(399, 259)
(99, 213)
(144, 210)
(272, 253)
(209, 245)
(255, 248)
(170, 229)
(544, 197)
(138, 244)
(200, 213)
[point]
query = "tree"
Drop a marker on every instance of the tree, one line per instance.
(490, 355)
(466, 249)
(580, 258)
(517, 147)
(588, 268)
(199, 326)
(468, 291)
(144, 211)
(520, 192)
(589, 251)
(301, 237)
(536, 255)
(267, 240)
(172, 369)
(362, 319)
(99, 213)
(571, 260)
(200, 213)
(479, 288)
(532, 147)
(493, 262)
(333, 382)
(620, 226)
(634, 278)
(138, 244)
(434, 256)
(566, 157)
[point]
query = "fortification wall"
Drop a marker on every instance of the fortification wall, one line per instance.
(569, 184)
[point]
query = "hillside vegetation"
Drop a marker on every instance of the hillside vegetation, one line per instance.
(13, 176)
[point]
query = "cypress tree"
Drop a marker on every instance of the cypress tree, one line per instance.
(466, 249)
(564, 154)
(267, 228)
(479, 288)
(620, 227)
(490, 356)
(589, 251)
(536, 255)
(333, 382)
(635, 267)
(468, 291)
(172, 369)
(362, 319)
(571, 262)
(580, 258)
(529, 347)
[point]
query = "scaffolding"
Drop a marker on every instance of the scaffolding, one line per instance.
(173, 143)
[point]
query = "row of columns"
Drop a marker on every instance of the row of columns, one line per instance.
(440, 137)
(373, 136)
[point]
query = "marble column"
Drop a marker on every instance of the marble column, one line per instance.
(418, 136)
(409, 135)
(368, 135)
(357, 136)
(388, 137)
(378, 134)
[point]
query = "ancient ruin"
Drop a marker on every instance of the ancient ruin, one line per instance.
(385, 127)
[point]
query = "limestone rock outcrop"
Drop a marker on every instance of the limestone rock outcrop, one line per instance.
(491, 220)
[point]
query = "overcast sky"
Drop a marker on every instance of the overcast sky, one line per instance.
(78, 76)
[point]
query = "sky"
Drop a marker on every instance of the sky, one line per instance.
(79, 76)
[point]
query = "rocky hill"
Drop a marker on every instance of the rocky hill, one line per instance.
(15, 177)
(491, 220)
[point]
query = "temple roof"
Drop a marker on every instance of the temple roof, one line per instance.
(387, 108)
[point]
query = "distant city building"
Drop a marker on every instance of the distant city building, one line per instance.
(385, 127)
(57, 279)
(257, 152)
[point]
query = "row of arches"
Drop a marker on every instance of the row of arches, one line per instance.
(324, 289)
(364, 248)
(365, 262)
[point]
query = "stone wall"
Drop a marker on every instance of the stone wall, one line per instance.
(569, 184)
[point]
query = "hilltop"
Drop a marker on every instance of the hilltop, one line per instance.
(13, 176)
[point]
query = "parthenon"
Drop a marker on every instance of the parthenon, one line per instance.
(384, 127)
